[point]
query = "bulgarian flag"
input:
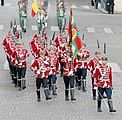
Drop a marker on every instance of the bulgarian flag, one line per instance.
(34, 8)
(77, 44)
(75, 41)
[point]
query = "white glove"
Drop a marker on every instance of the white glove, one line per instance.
(69, 59)
(105, 85)
(70, 73)
(45, 62)
(20, 64)
(38, 72)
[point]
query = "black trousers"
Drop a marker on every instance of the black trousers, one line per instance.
(81, 72)
(21, 73)
(69, 81)
(40, 81)
(108, 92)
(110, 8)
(2, 2)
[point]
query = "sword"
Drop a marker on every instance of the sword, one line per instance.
(102, 98)
(104, 50)
(98, 45)
(20, 35)
(83, 36)
(52, 38)
(11, 25)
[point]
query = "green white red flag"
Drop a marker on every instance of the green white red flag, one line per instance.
(75, 41)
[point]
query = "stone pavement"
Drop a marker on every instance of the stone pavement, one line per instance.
(22, 105)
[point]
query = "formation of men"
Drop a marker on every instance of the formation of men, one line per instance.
(50, 60)
(16, 55)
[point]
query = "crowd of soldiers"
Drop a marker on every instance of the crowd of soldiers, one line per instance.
(46, 67)
(49, 61)
(16, 56)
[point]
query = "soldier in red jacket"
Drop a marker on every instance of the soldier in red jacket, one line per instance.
(9, 46)
(18, 59)
(68, 75)
(54, 68)
(81, 66)
(93, 63)
(40, 66)
(103, 80)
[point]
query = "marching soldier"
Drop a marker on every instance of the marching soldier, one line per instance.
(68, 75)
(23, 14)
(40, 66)
(81, 65)
(18, 58)
(14, 27)
(93, 63)
(61, 49)
(9, 47)
(54, 68)
(23, 18)
(41, 21)
(36, 46)
(61, 17)
(103, 80)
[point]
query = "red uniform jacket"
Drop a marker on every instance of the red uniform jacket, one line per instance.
(18, 58)
(103, 76)
(93, 63)
(54, 64)
(40, 68)
(68, 66)
(81, 58)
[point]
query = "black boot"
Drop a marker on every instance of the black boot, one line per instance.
(110, 104)
(24, 30)
(99, 106)
(67, 95)
(79, 84)
(19, 84)
(47, 94)
(76, 79)
(15, 82)
(54, 90)
(38, 95)
(72, 94)
(94, 94)
(12, 76)
(23, 82)
(84, 85)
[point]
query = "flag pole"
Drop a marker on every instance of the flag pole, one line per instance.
(98, 45)
(104, 49)
(70, 35)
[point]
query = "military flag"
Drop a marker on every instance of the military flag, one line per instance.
(75, 41)
(35, 8)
